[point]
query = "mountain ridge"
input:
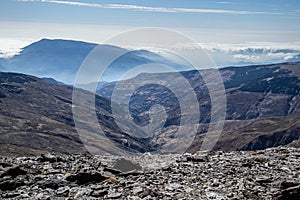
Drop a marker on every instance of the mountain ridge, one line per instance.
(36, 115)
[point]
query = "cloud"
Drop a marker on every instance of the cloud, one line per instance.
(229, 54)
(73, 3)
(223, 54)
(152, 9)
(224, 2)
(251, 53)
(10, 47)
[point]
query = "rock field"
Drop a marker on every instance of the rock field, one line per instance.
(267, 174)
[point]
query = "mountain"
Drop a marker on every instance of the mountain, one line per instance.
(255, 95)
(61, 60)
(58, 59)
(36, 116)
(252, 91)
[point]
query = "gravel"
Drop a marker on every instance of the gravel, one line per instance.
(266, 174)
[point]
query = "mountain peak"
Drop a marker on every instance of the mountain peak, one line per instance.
(45, 42)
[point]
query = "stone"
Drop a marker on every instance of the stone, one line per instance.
(99, 193)
(12, 194)
(42, 196)
(124, 165)
(137, 190)
(13, 171)
(51, 183)
(130, 173)
(11, 184)
(111, 170)
(63, 191)
(290, 193)
(288, 184)
(83, 178)
(114, 195)
(194, 158)
(82, 192)
(225, 175)
(263, 179)
(50, 158)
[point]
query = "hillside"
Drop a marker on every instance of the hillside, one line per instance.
(262, 95)
(36, 116)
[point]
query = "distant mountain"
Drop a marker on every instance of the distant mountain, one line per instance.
(58, 59)
(61, 59)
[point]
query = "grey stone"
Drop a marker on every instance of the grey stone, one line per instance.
(83, 178)
(114, 195)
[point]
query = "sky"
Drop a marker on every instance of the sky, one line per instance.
(219, 25)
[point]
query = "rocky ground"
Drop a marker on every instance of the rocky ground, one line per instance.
(267, 174)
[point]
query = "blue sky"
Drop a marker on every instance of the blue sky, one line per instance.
(270, 23)
(233, 14)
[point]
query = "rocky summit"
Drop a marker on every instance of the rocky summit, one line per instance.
(265, 174)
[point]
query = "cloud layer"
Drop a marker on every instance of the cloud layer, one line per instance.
(10, 47)
(222, 54)
(252, 53)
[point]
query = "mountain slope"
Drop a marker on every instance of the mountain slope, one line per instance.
(58, 59)
(253, 93)
(36, 116)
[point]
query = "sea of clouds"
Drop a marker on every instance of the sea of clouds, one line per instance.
(223, 54)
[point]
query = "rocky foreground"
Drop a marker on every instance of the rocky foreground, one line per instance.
(267, 174)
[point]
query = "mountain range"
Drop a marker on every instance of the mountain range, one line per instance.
(263, 111)
(257, 97)
(36, 116)
(37, 113)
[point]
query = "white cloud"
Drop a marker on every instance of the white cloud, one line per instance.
(10, 47)
(223, 54)
(224, 2)
(255, 46)
(73, 3)
(151, 9)
(250, 58)
(260, 52)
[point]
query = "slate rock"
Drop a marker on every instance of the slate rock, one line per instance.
(291, 193)
(11, 184)
(124, 165)
(13, 171)
(86, 177)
